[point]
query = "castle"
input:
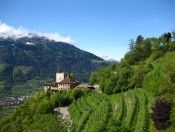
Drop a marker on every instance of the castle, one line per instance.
(63, 82)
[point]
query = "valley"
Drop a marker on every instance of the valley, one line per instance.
(135, 95)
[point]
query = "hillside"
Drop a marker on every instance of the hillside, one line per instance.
(126, 111)
(137, 94)
(89, 111)
(148, 65)
(139, 91)
(145, 57)
(26, 58)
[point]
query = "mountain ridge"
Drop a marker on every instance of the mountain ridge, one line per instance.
(28, 58)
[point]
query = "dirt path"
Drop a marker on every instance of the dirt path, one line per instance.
(64, 111)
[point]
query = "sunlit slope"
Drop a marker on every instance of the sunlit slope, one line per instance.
(128, 111)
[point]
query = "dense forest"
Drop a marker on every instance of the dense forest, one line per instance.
(36, 58)
(26, 58)
(137, 94)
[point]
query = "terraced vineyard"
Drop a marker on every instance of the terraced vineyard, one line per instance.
(128, 111)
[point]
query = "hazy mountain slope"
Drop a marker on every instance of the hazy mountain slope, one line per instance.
(27, 58)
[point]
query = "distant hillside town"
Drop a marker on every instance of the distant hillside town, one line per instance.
(66, 82)
(13, 101)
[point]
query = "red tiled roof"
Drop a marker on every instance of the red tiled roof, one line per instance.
(53, 84)
(68, 80)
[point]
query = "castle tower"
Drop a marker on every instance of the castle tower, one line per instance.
(60, 77)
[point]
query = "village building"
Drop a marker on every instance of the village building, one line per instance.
(97, 87)
(63, 82)
(85, 85)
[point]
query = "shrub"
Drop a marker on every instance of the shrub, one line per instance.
(161, 114)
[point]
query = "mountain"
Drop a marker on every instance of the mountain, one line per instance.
(109, 59)
(136, 94)
(27, 58)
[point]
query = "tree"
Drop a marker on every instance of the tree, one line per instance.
(93, 78)
(139, 50)
(61, 98)
(44, 107)
(49, 123)
(132, 45)
(137, 77)
(111, 84)
(75, 94)
(139, 40)
(72, 75)
(146, 50)
(166, 38)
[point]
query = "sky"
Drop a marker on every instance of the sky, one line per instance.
(102, 27)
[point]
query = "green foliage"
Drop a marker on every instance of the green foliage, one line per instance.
(149, 63)
(109, 84)
(110, 80)
(76, 93)
(160, 81)
(93, 78)
(37, 113)
(72, 75)
(139, 51)
(166, 38)
(49, 123)
(44, 108)
(138, 75)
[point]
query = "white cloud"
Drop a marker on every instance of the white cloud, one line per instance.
(9, 31)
